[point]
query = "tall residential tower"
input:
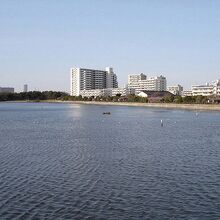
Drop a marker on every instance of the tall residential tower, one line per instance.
(25, 88)
(89, 79)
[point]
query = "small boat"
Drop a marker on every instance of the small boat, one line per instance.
(106, 113)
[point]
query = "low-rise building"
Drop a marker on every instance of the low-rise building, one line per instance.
(204, 90)
(186, 93)
(214, 100)
(107, 92)
(212, 89)
(142, 82)
(176, 90)
(7, 90)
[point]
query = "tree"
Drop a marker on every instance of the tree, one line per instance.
(178, 99)
(32, 95)
(189, 99)
(201, 99)
(169, 99)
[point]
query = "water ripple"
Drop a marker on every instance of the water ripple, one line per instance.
(71, 162)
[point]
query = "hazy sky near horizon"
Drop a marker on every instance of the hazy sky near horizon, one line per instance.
(40, 40)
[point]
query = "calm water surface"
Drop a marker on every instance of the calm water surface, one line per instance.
(60, 161)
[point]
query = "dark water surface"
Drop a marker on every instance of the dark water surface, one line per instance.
(60, 161)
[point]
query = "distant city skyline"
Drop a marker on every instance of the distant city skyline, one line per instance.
(41, 40)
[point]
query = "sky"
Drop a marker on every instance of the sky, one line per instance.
(41, 40)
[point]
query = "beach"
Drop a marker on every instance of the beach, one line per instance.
(205, 107)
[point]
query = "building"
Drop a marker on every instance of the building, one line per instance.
(136, 78)
(186, 93)
(106, 92)
(176, 90)
(133, 80)
(25, 88)
(204, 90)
(6, 90)
(157, 83)
(111, 80)
(212, 89)
(90, 79)
(155, 96)
(142, 82)
(217, 87)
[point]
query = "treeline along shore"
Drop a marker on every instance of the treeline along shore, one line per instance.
(33, 96)
(188, 102)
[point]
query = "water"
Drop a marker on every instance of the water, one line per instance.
(60, 161)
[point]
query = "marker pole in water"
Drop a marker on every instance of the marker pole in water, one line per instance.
(161, 123)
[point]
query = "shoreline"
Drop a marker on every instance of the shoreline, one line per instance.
(205, 107)
(210, 107)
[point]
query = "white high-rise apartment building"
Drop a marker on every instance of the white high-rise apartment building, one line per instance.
(142, 82)
(89, 79)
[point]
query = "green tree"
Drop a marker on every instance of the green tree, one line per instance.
(178, 99)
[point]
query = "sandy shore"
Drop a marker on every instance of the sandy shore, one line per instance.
(197, 107)
(210, 107)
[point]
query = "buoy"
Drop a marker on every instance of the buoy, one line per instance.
(161, 123)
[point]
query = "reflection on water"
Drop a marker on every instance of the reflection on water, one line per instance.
(72, 162)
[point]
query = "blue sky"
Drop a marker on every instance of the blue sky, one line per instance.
(40, 40)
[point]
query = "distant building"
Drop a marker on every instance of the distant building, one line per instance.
(155, 96)
(135, 78)
(25, 88)
(176, 90)
(6, 90)
(157, 83)
(186, 93)
(90, 79)
(204, 90)
(214, 100)
(133, 81)
(111, 78)
(142, 82)
(106, 92)
(212, 89)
